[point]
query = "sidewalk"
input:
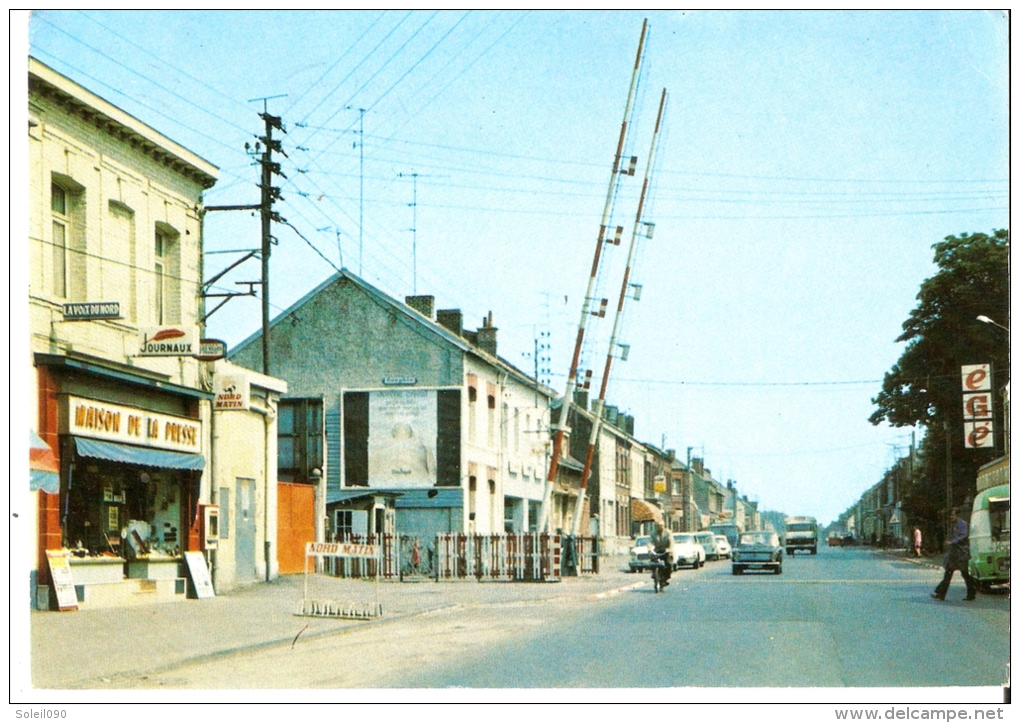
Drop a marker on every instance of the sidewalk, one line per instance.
(79, 649)
(908, 556)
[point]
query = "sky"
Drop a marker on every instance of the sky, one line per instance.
(807, 163)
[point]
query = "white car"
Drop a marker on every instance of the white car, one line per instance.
(723, 546)
(687, 551)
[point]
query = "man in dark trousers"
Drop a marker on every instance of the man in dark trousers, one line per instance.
(957, 558)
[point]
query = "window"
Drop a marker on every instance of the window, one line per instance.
(58, 204)
(299, 439)
(504, 426)
(472, 414)
(343, 524)
(517, 430)
(491, 421)
(160, 280)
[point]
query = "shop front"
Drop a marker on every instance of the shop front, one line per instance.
(129, 500)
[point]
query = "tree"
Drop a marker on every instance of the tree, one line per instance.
(942, 334)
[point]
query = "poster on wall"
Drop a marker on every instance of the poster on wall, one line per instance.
(402, 438)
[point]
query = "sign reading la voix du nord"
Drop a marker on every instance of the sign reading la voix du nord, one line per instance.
(168, 341)
(92, 310)
(117, 423)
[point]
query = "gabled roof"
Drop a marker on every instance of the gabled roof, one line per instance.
(413, 315)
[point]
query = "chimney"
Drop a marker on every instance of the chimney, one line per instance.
(451, 319)
(611, 414)
(670, 454)
(698, 465)
(424, 305)
(487, 336)
(628, 424)
(581, 398)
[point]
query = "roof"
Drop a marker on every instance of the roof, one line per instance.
(404, 310)
(46, 81)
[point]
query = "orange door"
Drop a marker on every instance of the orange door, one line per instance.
(295, 524)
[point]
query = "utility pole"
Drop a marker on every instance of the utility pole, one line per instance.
(361, 184)
(270, 194)
(568, 396)
(624, 285)
(414, 176)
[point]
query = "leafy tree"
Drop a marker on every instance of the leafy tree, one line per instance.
(942, 334)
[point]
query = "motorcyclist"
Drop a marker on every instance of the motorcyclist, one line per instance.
(662, 545)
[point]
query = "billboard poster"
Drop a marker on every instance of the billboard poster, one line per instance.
(402, 438)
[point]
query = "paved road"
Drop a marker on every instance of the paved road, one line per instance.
(845, 617)
(842, 618)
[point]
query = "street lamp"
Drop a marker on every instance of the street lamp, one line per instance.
(986, 320)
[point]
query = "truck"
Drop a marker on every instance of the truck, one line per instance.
(801, 534)
(989, 537)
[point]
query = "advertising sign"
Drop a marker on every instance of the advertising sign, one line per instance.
(341, 549)
(233, 392)
(976, 377)
(116, 423)
(979, 435)
(93, 310)
(63, 583)
(211, 350)
(977, 405)
(402, 438)
(978, 428)
(168, 341)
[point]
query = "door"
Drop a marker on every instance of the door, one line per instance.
(244, 530)
(295, 524)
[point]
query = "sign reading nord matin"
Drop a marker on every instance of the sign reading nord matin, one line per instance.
(92, 310)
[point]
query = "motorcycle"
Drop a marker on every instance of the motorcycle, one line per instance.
(660, 565)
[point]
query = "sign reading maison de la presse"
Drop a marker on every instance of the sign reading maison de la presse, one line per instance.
(116, 423)
(168, 341)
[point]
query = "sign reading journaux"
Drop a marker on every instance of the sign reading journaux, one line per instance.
(168, 341)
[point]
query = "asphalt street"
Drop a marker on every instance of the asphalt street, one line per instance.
(845, 617)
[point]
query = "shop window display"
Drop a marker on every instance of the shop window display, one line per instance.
(125, 512)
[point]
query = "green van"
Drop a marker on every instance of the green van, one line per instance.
(989, 537)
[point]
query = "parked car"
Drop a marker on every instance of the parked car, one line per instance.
(723, 545)
(687, 551)
(707, 541)
(639, 560)
(759, 550)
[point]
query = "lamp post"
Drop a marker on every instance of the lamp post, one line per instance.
(986, 320)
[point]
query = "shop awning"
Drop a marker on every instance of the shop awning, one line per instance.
(641, 511)
(44, 472)
(141, 456)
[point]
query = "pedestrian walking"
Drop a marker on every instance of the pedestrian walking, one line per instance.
(917, 541)
(957, 558)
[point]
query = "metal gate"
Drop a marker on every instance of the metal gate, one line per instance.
(518, 558)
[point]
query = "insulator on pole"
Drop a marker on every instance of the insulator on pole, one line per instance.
(617, 236)
(633, 166)
(636, 293)
(649, 229)
(624, 351)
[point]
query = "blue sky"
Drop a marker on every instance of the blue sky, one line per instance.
(807, 164)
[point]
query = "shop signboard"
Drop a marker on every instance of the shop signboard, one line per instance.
(92, 310)
(341, 549)
(168, 341)
(211, 349)
(129, 425)
(233, 392)
(63, 583)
